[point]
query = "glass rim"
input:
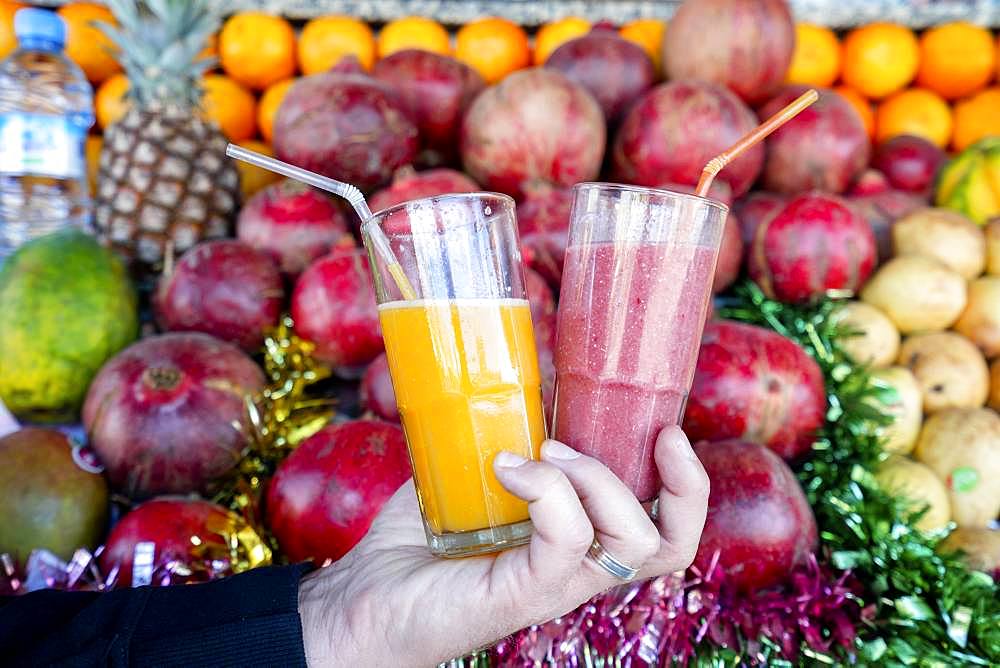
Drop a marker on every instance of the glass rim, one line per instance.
(658, 192)
(380, 215)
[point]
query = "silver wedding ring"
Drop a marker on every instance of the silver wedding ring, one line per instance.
(610, 563)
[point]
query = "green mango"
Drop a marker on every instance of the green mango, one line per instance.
(66, 306)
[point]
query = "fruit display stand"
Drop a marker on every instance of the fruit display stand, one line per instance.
(849, 378)
(833, 13)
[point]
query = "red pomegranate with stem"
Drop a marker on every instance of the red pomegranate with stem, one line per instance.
(816, 243)
(543, 223)
(168, 523)
(745, 45)
(910, 164)
(224, 288)
(346, 126)
(324, 496)
(825, 147)
(436, 90)
(535, 125)
(333, 306)
(753, 208)
(377, 393)
(759, 520)
(614, 70)
(673, 130)
(168, 414)
(754, 384)
(293, 223)
(409, 184)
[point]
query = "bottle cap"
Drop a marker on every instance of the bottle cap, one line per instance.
(39, 24)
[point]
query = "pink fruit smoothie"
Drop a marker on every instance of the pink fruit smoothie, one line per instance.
(630, 323)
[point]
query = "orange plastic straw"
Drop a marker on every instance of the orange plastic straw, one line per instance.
(755, 136)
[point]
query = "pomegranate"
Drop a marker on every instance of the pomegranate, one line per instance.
(165, 414)
(543, 222)
(293, 223)
(325, 495)
(911, 164)
(824, 147)
(535, 125)
(333, 305)
(869, 182)
(754, 384)
(745, 45)
(169, 524)
(543, 308)
(409, 184)
(759, 520)
(881, 210)
(435, 90)
(377, 394)
(752, 209)
(727, 268)
(614, 70)
(346, 126)
(675, 128)
(224, 288)
(816, 243)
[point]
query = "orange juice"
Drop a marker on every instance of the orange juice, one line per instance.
(467, 385)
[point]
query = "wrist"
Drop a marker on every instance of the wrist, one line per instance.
(326, 625)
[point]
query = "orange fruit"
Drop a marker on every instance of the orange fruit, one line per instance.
(231, 106)
(647, 33)
(413, 32)
(816, 60)
(257, 49)
(915, 111)
(977, 117)
(110, 101)
(268, 105)
(862, 106)
(252, 177)
(7, 40)
(87, 46)
(92, 150)
(956, 59)
(880, 59)
(494, 47)
(327, 39)
(556, 33)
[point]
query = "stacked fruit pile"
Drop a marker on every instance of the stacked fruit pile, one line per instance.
(189, 410)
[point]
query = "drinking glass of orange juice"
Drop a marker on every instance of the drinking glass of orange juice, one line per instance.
(462, 358)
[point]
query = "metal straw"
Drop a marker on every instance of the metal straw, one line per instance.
(349, 192)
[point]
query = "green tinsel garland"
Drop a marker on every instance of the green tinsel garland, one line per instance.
(930, 609)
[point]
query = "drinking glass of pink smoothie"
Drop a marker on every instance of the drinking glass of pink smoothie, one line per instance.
(636, 283)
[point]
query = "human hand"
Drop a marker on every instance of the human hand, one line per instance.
(390, 602)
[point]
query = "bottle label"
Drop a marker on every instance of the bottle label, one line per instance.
(41, 145)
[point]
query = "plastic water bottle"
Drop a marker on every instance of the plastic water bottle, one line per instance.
(45, 112)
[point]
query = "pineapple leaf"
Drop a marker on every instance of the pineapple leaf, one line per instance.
(160, 44)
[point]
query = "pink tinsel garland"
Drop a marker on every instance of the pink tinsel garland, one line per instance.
(662, 621)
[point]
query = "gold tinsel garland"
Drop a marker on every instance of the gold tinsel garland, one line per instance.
(279, 419)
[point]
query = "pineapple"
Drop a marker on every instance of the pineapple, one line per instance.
(164, 180)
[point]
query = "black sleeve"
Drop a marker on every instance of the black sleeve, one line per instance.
(250, 619)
